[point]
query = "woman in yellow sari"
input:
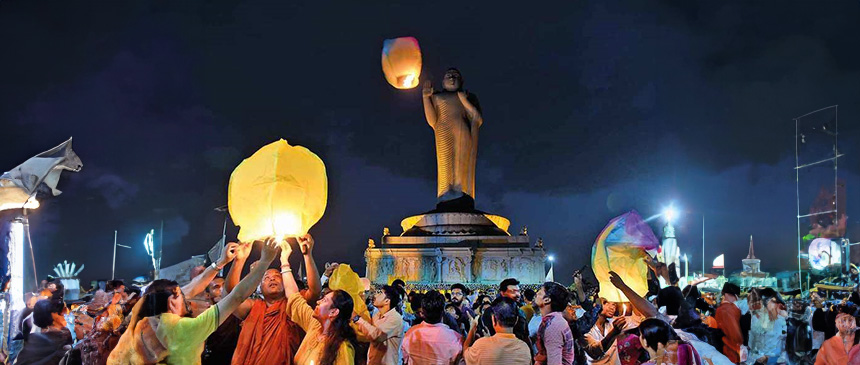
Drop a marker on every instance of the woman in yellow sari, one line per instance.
(160, 331)
(329, 338)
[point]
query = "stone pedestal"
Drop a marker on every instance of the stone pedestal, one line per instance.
(447, 248)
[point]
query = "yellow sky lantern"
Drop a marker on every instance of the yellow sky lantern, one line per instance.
(280, 191)
(401, 62)
(344, 278)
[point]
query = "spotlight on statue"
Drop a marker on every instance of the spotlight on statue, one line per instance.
(551, 258)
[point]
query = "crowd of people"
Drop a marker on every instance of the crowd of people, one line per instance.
(268, 316)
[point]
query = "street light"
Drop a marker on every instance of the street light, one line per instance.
(113, 268)
(670, 214)
(549, 275)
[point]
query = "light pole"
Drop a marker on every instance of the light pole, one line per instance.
(671, 251)
(670, 214)
(224, 209)
(113, 268)
(550, 276)
(686, 267)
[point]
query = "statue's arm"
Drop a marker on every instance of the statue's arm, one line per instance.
(430, 111)
(429, 107)
(473, 110)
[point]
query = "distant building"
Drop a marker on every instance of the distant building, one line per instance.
(752, 265)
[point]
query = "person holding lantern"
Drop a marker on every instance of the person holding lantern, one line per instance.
(161, 332)
(269, 335)
(330, 340)
(601, 348)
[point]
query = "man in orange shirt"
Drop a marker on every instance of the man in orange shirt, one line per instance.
(838, 349)
(729, 321)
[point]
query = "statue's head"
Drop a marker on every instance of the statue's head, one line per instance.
(452, 81)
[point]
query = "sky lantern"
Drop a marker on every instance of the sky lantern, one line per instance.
(344, 278)
(622, 247)
(401, 62)
(279, 191)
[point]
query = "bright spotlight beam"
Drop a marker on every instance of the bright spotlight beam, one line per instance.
(670, 214)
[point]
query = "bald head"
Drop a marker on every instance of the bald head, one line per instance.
(272, 285)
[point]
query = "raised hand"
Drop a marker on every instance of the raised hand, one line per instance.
(474, 321)
(618, 324)
(616, 280)
(243, 250)
(329, 269)
(269, 251)
(306, 243)
(427, 91)
(286, 251)
(228, 254)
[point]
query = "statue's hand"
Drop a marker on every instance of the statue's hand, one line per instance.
(427, 91)
(464, 98)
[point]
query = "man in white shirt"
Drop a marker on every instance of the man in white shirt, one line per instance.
(601, 349)
(386, 330)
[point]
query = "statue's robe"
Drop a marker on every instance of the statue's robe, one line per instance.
(456, 146)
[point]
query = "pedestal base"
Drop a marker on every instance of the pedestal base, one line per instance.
(427, 261)
(455, 224)
(469, 247)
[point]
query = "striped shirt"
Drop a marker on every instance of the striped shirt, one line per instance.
(554, 341)
(501, 349)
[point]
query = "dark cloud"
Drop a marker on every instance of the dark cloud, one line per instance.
(115, 190)
(175, 229)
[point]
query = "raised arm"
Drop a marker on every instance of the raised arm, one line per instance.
(643, 305)
(199, 283)
(580, 293)
(242, 252)
(470, 104)
(470, 338)
(596, 349)
(429, 108)
(702, 279)
(249, 283)
(287, 276)
(306, 244)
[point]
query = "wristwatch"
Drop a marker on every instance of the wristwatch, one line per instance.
(356, 318)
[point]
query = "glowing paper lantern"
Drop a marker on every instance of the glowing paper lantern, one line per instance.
(280, 191)
(343, 278)
(401, 62)
(622, 247)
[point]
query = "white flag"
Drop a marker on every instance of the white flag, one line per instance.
(41, 173)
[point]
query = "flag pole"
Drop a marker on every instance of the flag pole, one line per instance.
(113, 268)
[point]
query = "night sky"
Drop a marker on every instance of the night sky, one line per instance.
(590, 110)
